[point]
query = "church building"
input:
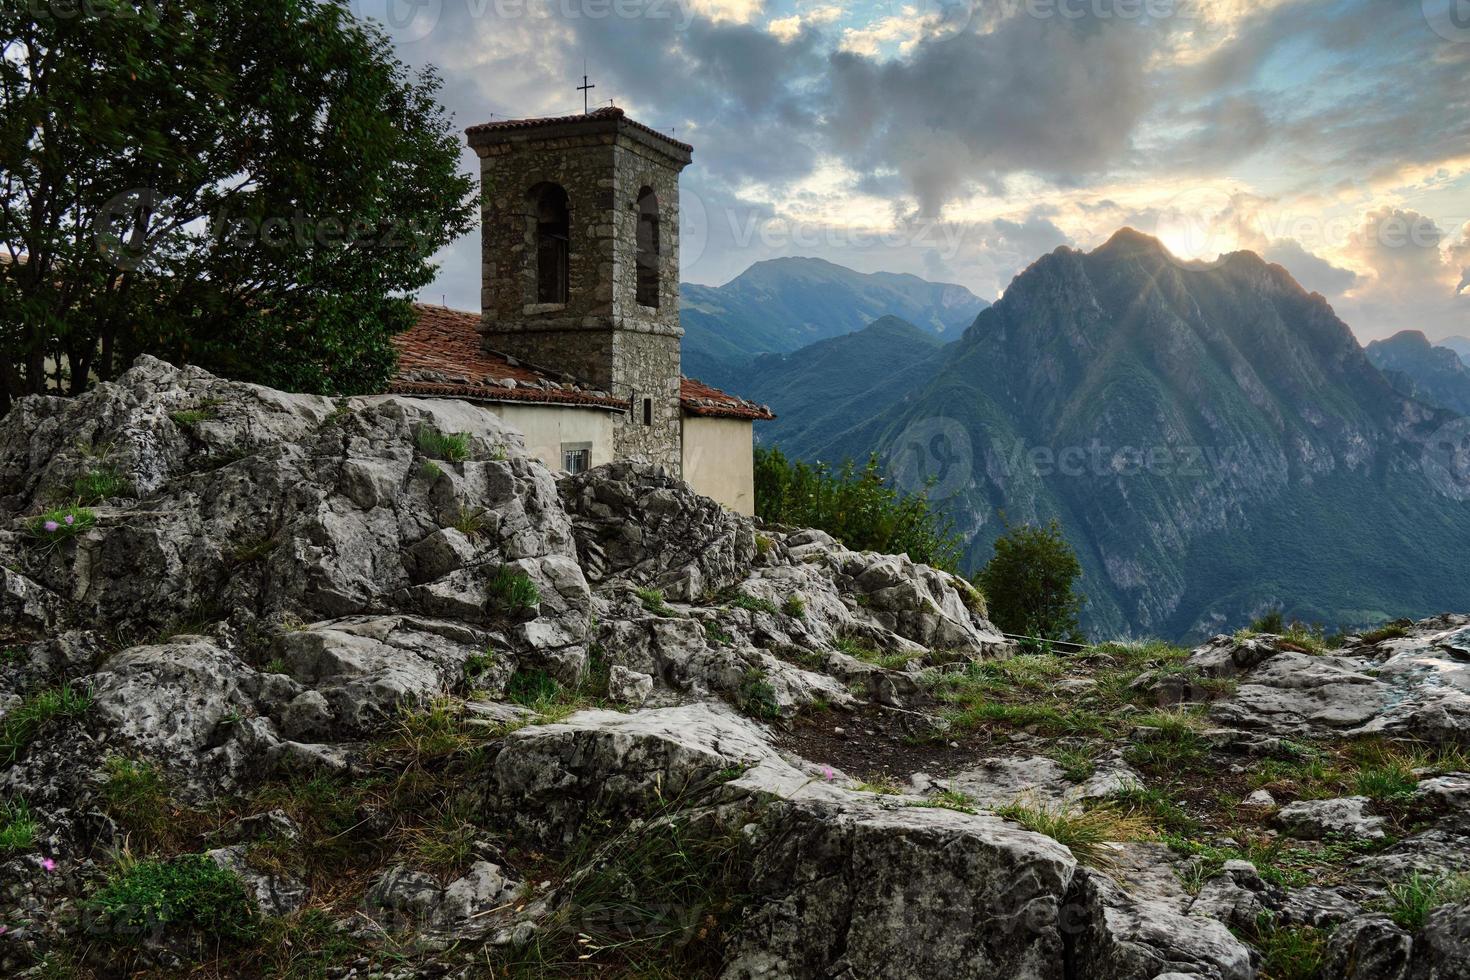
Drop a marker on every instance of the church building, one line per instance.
(577, 341)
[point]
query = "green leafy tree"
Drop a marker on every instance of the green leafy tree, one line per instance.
(857, 506)
(1029, 583)
(248, 185)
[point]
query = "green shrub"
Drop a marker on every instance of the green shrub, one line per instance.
(1028, 583)
(12, 655)
(513, 591)
(60, 524)
(857, 506)
(23, 723)
(452, 447)
(717, 635)
(757, 696)
(100, 484)
(17, 828)
(794, 606)
(187, 895)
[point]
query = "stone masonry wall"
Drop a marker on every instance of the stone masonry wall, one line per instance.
(601, 335)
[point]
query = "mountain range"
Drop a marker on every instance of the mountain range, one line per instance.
(1420, 370)
(781, 305)
(1213, 439)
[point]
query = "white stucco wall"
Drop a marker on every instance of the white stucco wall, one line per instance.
(718, 460)
(548, 427)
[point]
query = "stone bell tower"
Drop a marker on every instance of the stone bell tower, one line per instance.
(580, 261)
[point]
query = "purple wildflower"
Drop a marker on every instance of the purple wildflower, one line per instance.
(50, 526)
(828, 773)
(71, 518)
(48, 864)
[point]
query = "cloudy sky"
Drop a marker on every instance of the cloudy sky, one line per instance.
(961, 139)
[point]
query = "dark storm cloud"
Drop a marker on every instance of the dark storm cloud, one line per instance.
(1051, 96)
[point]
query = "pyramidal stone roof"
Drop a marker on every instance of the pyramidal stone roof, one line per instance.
(441, 357)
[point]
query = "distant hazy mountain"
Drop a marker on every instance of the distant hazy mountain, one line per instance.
(1460, 345)
(1431, 374)
(833, 383)
(1213, 439)
(782, 305)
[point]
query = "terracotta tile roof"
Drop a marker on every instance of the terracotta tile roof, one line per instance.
(441, 356)
(698, 398)
(596, 115)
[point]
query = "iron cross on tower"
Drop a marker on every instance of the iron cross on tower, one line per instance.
(583, 89)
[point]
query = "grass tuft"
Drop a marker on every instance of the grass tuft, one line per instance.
(1410, 901)
(1085, 832)
(17, 828)
(452, 447)
(513, 592)
(24, 722)
(60, 524)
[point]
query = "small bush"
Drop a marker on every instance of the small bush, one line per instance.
(513, 591)
(1410, 901)
(23, 723)
(189, 894)
(17, 828)
(100, 484)
(715, 634)
(1029, 581)
(452, 447)
(757, 696)
(1085, 832)
(58, 525)
(794, 606)
(430, 470)
(763, 546)
(12, 655)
